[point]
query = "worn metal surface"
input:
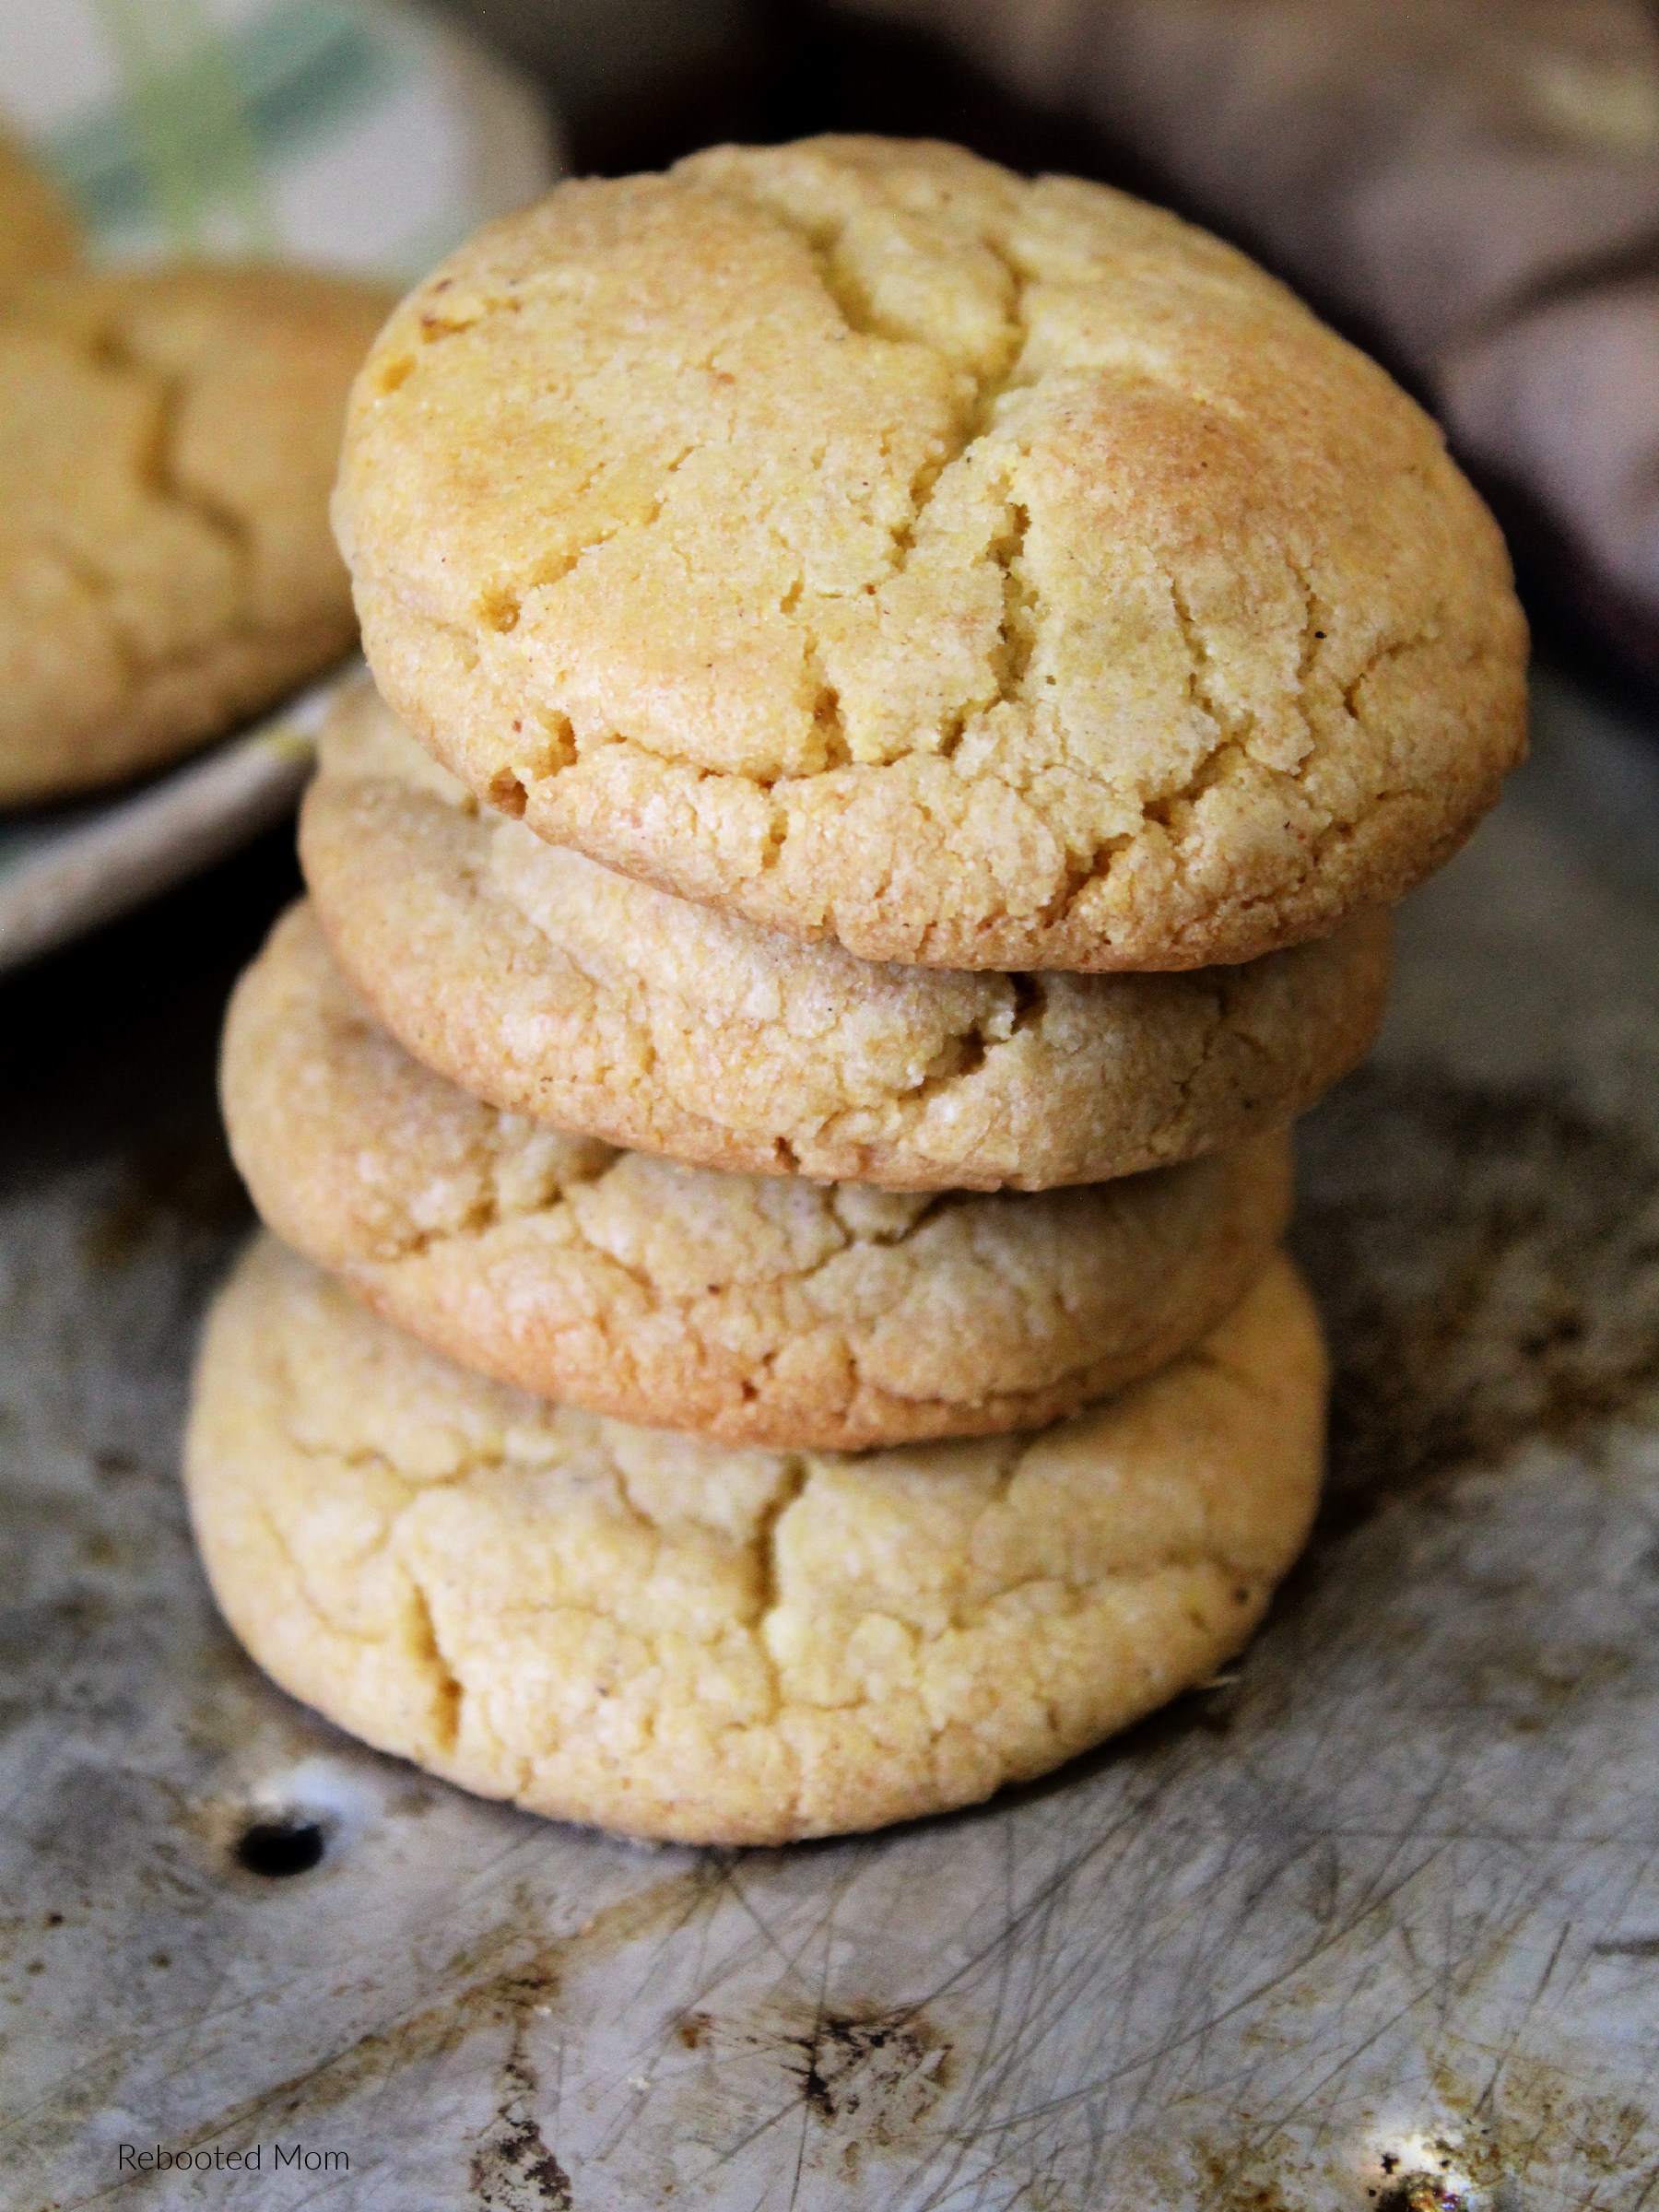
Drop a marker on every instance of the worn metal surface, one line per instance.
(1375, 1923)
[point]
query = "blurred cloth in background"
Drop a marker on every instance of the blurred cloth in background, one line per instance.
(1473, 184)
(360, 134)
(597, 55)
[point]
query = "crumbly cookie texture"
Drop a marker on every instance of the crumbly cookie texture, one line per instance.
(758, 1310)
(555, 988)
(38, 229)
(167, 444)
(681, 1639)
(1001, 574)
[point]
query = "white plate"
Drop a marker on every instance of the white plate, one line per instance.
(64, 871)
(347, 134)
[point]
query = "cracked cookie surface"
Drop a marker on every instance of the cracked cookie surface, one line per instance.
(167, 444)
(981, 572)
(758, 1310)
(555, 988)
(683, 1639)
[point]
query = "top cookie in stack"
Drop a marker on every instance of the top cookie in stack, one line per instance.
(838, 583)
(983, 572)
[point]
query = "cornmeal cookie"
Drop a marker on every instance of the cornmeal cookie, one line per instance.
(759, 1310)
(167, 442)
(863, 539)
(552, 987)
(38, 229)
(683, 1639)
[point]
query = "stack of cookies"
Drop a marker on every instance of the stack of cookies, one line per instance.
(904, 695)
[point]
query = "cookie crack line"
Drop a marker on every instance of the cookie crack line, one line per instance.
(1234, 731)
(977, 416)
(231, 529)
(1018, 634)
(1208, 1045)
(450, 1691)
(109, 350)
(101, 589)
(321, 1613)
(795, 1476)
(1316, 625)
(960, 1617)
(489, 1218)
(826, 242)
(480, 1459)
(967, 1050)
(499, 606)
(1231, 729)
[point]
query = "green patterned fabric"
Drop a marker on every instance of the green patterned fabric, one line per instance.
(355, 132)
(192, 122)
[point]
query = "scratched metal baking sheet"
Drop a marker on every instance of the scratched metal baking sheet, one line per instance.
(1372, 1925)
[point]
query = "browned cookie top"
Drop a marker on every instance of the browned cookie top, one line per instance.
(861, 538)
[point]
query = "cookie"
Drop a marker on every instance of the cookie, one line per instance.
(678, 1639)
(857, 537)
(38, 229)
(552, 987)
(758, 1310)
(167, 442)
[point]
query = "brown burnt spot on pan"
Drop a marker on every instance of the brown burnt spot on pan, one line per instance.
(512, 2170)
(1262, 2171)
(865, 2079)
(1532, 2129)
(1487, 1264)
(1247, 2197)
(1499, 2139)
(1423, 2191)
(881, 2073)
(1491, 2141)
(502, 1984)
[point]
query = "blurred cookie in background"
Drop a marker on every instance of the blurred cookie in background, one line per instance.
(38, 230)
(362, 137)
(167, 442)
